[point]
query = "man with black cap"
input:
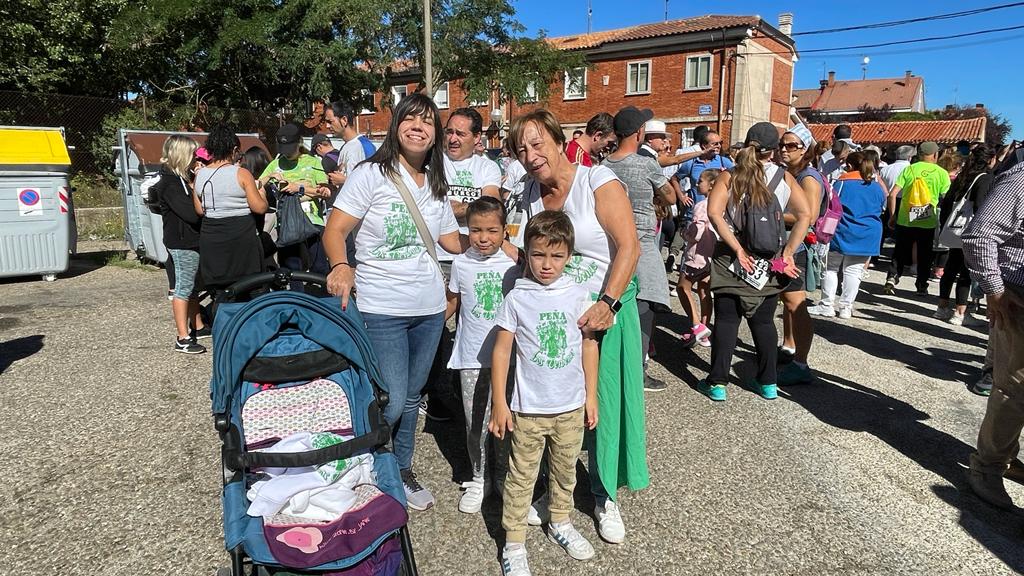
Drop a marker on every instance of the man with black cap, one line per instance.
(915, 219)
(646, 185)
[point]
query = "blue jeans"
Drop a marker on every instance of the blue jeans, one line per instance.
(405, 347)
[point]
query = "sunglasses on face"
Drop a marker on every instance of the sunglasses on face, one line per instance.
(792, 146)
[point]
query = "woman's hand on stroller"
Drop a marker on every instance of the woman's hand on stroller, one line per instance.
(501, 421)
(340, 282)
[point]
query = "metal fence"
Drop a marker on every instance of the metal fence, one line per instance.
(82, 118)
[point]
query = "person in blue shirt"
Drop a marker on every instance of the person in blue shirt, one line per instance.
(711, 143)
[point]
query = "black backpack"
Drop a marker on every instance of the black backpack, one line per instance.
(760, 229)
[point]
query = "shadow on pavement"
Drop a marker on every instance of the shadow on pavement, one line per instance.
(846, 405)
(939, 364)
(19, 349)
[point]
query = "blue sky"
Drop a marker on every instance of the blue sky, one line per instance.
(969, 70)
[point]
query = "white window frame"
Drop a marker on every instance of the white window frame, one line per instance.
(638, 63)
(531, 93)
(443, 105)
(395, 96)
(367, 98)
(686, 71)
(566, 95)
(478, 103)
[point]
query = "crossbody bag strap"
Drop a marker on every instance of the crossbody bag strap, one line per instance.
(417, 217)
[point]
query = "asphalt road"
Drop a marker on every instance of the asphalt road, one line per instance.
(109, 462)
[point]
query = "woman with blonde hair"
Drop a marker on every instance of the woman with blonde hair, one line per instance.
(746, 208)
(173, 193)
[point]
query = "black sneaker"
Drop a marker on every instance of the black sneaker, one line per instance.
(652, 384)
(204, 332)
(188, 346)
(784, 357)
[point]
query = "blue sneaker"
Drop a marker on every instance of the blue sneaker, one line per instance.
(792, 374)
(714, 391)
(766, 391)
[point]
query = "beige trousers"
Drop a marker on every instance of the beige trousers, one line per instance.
(563, 436)
(999, 438)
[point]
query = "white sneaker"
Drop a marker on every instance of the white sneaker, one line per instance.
(956, 319)
(609, 522)
(865, 274)
(473, 496)
(821, 310)
(570, 539)
(537, 510)
(845, 312)
(513, 561)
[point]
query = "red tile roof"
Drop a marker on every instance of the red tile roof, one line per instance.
(667, 28)
(910, 132)
(850, 95)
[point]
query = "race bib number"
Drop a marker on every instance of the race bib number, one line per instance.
(760, 276)
(916, 213)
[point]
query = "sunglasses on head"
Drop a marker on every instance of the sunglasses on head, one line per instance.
(792, 146)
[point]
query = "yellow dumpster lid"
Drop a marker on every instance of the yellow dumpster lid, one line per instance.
(26, 148)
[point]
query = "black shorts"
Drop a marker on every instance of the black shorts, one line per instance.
(798, 284)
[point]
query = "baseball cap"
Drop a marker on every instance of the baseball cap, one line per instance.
(287, 139)
(849, 142)
(319, 139)
(655, 127)
(203, 154)
(629, 120)
(765, 134)
(928, 149)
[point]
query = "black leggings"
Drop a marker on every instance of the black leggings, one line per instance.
(646, 325)
(956, 270)
(728, 313)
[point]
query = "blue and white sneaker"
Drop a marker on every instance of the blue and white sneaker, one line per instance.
(570, 539)
(513, 561)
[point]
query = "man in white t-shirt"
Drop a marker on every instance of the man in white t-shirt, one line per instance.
(469, 176)
(341, 117)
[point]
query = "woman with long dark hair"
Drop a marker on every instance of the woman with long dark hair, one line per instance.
(754, 186)
(400, 287)
(971, 185)
(227, 197)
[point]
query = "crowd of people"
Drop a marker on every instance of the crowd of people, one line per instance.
(555, 260)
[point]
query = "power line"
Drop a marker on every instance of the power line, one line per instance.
(873, 53)
(913, 41)
(890, 24)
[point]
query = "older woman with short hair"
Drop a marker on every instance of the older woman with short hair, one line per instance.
(605, 259)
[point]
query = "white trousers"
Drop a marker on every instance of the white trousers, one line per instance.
(852, 267)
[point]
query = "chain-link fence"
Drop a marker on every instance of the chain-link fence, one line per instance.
(90, 123)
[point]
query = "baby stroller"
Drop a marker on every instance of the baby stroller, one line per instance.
(309, 484)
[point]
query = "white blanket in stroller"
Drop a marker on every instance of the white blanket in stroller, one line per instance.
(317, 493)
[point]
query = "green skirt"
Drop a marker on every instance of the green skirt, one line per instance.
(621, 439)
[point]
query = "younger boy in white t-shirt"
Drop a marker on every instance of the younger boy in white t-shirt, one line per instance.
(479, 280)
(555, 393)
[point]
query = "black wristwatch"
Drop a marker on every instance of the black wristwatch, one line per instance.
(612, 303)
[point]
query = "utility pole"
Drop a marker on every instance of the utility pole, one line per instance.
(428, 61)
(590, 14)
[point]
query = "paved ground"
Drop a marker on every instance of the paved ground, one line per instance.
(109, 462)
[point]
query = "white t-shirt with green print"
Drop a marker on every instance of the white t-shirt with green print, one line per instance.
(481, 283)
(549, 344)
(395, 274)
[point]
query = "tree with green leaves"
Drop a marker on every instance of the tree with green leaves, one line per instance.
(277, 55)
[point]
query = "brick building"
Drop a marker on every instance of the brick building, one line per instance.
(838, 98)
(727, 72)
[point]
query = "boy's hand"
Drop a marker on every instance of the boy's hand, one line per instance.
(590, 413)
(501, 421)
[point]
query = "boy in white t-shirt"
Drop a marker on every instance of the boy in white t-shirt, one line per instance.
(479, 280)
(555, 393)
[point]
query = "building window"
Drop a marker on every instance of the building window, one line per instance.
(638, 77)
(366, 102)
(531, 92)
(397, 93)
(698, 72)
(687, 138)
(441, 96)
(575, 84)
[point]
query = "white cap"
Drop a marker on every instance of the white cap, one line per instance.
(655, 127)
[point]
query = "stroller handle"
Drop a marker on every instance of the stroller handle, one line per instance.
(278, 279)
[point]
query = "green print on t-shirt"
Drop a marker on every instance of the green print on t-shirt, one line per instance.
(581, 272)
(487, 290)
(551, 333)
(400, 235)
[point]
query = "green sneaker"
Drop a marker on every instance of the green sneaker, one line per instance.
(714, 391)
(766, 391)
(791, 375)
